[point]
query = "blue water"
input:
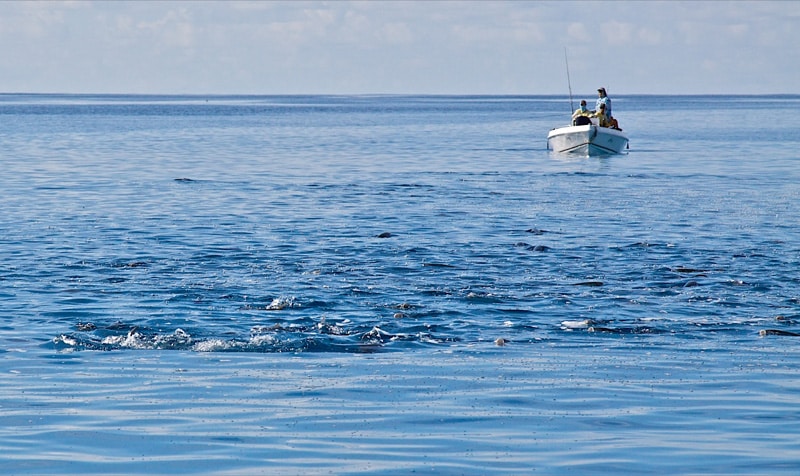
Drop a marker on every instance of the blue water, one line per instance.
(387, 285)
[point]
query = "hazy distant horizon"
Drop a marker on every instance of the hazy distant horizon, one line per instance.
(576, 96)
(415, 48)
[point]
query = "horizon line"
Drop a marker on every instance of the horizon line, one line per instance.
(166, 94)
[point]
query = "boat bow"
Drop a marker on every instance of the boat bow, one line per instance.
(589, 139)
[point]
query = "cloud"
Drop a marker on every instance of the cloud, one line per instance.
(649, 36)
(174, 28)
(32, 19)
(578, 32)
(389, 46)
(738, 29)
(616, 33)
(396, 33)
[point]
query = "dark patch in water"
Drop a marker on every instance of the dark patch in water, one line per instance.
(777, 332)
(536, 231)
(681, 269)
(529, 247)
(786, 320)
(538, 248)
(646, 244)
(132, 264)
(623, 330)
(118, 325)
(516, 311)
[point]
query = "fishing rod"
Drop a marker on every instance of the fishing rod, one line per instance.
(569, 83)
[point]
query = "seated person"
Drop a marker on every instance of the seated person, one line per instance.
(602, 118)
(581, 111)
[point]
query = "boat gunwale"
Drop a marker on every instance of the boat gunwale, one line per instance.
(556, 131)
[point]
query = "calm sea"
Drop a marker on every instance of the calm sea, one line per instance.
(397, 284)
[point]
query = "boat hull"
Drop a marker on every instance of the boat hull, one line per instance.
(587, 140)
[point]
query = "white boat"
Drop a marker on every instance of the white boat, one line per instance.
(587, 139)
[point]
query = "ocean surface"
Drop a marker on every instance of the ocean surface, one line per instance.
(364, 285)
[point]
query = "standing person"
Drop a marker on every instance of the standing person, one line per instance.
(604, 100)
(581, 111)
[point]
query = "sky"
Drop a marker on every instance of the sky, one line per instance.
(386, 47)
